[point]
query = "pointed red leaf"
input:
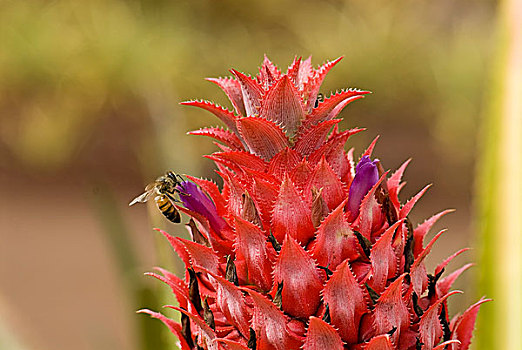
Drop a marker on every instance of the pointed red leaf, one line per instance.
(419, 277)
(228, 138)
(444, 346)
(232, 345)
(390, 312)
(405, 210)
(180, 290)
(306, 72)
(291, 215)
(201, 256)
(394, 183)
(283, 162)
(370, 148)
(325, 178)
(264, 194)
(381, 342)
(232, 89)
(239, 159)
(313, 85)
(253, 251)
(327, 109)
(320, 335)
(311, 138)
(347, 302)
(268, 73)
(270, 325)
(178, 247)
(335, 240)
(384, 260)
(443, 264)
(252, 93)
(282, 105)
(263, 137)
(300, 277)
(462, 330)
(222, 113)
(206, 336)
(444, 285)
(293, 70)
(231, 302)
(430, 328)
(420, 231)
(174, 327)
(301, 176)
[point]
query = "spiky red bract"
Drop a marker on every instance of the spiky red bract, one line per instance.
(301, 248)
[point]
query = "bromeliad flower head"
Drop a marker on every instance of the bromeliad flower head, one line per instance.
(299, 250)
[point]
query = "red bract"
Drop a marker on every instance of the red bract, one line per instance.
(301, 248)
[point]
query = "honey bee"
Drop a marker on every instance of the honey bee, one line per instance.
(163, 190)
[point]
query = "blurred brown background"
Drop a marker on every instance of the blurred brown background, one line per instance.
(89, 114)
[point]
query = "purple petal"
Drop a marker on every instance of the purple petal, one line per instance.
(366, 175)
(196, 200)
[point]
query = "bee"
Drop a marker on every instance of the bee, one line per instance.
(163, 190)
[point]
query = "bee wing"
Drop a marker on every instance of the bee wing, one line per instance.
(142, 198)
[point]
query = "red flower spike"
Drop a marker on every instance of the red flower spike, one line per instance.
(300, 277)
(252, 93)
(282, 105)
(270, 325)
(299, 232)
(381, 342)
(419, 278)
(390, 312)
(420, 231)
(310, 139)
(335, 240)
(232, 89)
(383, 259)
(405, 210)
(394, 183)
(263, 137)
(429, 326)
(174, 327)
(222, 113)
(291, 215)
(252, 248)
(347, 302)
(231, 301)
(228, 138)
(463, 327)
(325, 178)
(283, 162)
(321, 335)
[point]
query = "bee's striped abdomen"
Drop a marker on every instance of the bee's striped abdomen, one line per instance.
(168, 209)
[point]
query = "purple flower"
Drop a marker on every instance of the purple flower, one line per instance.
(194, 199)
(366, 175)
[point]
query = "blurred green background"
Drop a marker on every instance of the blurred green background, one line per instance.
(89, 113)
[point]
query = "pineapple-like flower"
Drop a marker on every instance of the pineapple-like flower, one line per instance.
(301, 249)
